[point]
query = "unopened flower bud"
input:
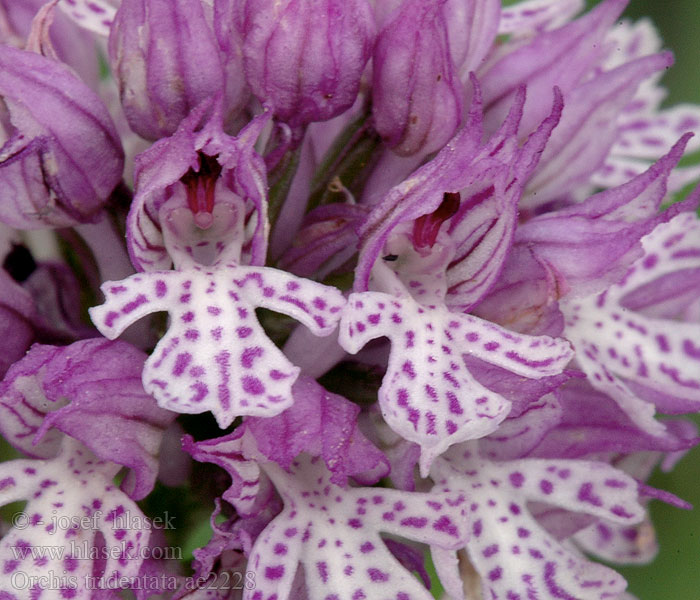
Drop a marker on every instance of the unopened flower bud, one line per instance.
(166, 60)
(63, 157)
(305, 57)
(413, 55)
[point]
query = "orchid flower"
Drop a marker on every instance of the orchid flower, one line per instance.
(405, 308)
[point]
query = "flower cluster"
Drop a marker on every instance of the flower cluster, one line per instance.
(416, 260)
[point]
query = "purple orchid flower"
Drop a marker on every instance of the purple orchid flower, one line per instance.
(463, 200)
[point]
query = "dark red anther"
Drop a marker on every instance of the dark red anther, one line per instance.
(425, 228)
(200, 186)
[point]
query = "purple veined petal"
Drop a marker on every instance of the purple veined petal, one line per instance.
(516, 436)
(533, 16)
(643, 361)
(18, 314)
(320, 424)
(471, 29)
(90, 390)
(163, 225)
(619, 169)
(574, 153)
(608, 429)
(70, 42)
(335, 535)
(428, 395)
(94, 15)
(304, 59)
(412, 53)
(166, 61)
(23, 405)
(109, 411)
(232, 453)
(215, 356)
(237, 92)
(71, 499)
(524, 298)
(562, 58)
(589, 246)
(486, 179)
(485, 224)
(50, 176)
(509, 549)
(327, 239)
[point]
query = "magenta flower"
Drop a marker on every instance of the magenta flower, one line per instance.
(404, 293)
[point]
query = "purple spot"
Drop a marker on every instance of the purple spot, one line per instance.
(355, 523)
(407, 368)
(621, 512)
(181, 362)
(523, 533)
(376, 575)
(161, 288)
(134, 304)
(495, 574)
(585, 494)
(691, 350)
(489, 551)
(276, 572)
(110, 318)
(445, 525)
(322, 568)
(280, 549)
(418, 522)
(188, 317)
(454, 406)
(191, 335)
(249, 355)
(491, 346)
(546, 486)
(367, 547)
(516, 479)
(200, 391)
(253, 385)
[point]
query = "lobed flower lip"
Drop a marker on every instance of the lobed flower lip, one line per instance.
(216, 356)
(505, 324)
